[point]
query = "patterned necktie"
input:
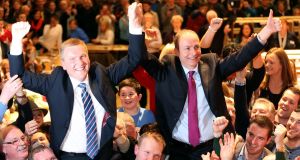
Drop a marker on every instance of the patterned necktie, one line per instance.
(194, 133)
(90, 123)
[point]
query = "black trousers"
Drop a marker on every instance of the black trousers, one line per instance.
(183, 151)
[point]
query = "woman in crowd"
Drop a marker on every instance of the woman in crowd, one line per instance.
(246, 30)
(176, 23)
(106, 34)
(130, 95)
(37, 25)
(279, 75)
(52, 35)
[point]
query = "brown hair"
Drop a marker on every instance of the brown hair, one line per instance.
(287, 76)
(263, 122)
(130, 82)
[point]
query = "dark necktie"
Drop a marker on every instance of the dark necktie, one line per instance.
(194, 133)
(90, 123)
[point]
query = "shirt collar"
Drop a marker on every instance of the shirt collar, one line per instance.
(186, 71)
(76, 82)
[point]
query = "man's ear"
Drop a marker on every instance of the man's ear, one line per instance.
(136, 149)
(63, 64)
(140, 96)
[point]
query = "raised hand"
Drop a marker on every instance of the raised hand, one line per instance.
(279, 133)
(227, 147)
(10, 88)
(206, 156)
(135, 17)
(219, 125)
(215, 24)
(273, 24)
(19, 30)
(31, 127)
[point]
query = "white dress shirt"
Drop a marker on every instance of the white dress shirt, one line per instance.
(75, 139)
(205, 115)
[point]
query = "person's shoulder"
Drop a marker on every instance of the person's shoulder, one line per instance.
(146, 111)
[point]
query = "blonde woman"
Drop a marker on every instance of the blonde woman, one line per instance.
(106, 34)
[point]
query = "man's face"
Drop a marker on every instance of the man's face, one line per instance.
(149, 149)
(293, 126)
(287, 104)
(261, 110)
(189, 50)
(44, 155)
(76, 62)
(256, 139)
(15, 145)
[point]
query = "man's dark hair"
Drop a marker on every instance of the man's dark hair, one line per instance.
(130, 82)
(263, 122)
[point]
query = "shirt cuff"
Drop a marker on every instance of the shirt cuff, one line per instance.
(136, 30)
(260, 40)
(16, 48)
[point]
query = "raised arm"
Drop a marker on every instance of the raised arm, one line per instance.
(208, 37)
(240, 59)
(136, 49)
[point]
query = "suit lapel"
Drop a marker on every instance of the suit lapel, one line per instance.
(204, 75)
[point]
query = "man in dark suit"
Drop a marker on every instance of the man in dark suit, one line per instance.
(69, 87)
(189, 73)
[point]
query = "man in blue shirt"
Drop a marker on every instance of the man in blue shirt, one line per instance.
(77, 32)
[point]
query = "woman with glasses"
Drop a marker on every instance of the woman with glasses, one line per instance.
(130, 96)
(13, 143)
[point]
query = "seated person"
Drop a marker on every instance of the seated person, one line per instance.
(42, 152)
(77, 32)
(130, 95)
(284, 39)
(106, 34)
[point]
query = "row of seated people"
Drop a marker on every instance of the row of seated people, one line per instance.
(182, 82)
(51, 24)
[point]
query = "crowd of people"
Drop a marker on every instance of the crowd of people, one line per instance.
(215, 96)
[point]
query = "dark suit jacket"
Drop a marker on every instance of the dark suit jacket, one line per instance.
(172, 86)
(57, 87)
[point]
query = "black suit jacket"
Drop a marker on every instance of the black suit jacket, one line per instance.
(172, 86)
(57, 87)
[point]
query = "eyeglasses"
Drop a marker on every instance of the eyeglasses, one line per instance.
(16, 141)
